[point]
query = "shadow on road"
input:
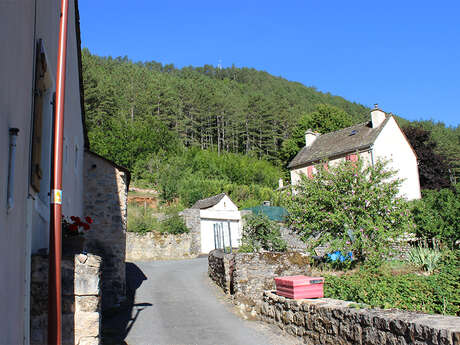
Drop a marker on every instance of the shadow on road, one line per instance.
(118, 321)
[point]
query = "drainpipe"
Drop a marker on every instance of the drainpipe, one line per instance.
(54, 286)
(372, 155)
(10, 193)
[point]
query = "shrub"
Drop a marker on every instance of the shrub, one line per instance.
(174, 225)
(424, 258)
(349, 207)
(437, 293)
(259, 232)
(140, 220)
(437, 215)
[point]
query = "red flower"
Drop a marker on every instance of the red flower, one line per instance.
(76, 220)
(85, 226)
(73, 227)
(73, 218)
(89, 220)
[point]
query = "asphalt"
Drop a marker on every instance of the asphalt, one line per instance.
(174, 302)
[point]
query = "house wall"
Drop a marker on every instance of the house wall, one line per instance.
(392, 145)
(18, 37)
(106, 195)
(296, 174)
(224, 211)
(16, 72)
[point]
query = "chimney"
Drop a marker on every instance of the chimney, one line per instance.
(377, 116)
(310, 137)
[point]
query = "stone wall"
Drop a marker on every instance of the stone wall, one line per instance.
(80, 300)
(328, 321)
(106, 190)
(247, 275)
(157, 246)
(193, 222)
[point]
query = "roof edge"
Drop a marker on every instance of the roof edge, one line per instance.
(115, 165)
(80, 75)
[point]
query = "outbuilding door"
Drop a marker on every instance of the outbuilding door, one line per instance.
(207, 233)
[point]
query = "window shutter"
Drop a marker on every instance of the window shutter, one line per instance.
(40, 70)
(352, 158)
(310, 171)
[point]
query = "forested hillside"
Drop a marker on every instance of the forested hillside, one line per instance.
(144, 115)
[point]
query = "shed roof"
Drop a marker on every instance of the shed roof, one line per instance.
(208, 202)
(340, 142)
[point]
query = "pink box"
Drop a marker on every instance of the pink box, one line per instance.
(299, 287)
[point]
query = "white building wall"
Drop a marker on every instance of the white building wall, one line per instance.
(296, 174)
(225, 212)
(18, 37)
(393, 146)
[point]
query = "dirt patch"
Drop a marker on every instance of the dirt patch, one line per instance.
(145, 201)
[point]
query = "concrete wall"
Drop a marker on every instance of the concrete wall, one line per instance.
(18, 36)
(157, 246)
(392, 145)
(329, 321)
(106, 194)
(81, 295)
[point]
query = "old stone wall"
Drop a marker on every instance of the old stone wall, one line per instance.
(328, 321)
(81, 296)
(247, 275)
(193, 222)
(157, 246)
(106, 190)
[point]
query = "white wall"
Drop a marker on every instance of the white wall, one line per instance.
(392, 145)
(18, 37)
(16, 72)
(296, 174)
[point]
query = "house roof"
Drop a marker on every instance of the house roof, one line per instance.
(208, 202)
(337, 143)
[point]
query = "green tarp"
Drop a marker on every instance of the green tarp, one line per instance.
(275, 213)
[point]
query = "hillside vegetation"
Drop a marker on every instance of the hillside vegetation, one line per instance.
(184, 131)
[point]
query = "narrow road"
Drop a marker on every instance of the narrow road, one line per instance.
(175, 303)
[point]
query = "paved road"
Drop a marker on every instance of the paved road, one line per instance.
(175, 303)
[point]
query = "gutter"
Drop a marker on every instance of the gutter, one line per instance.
(54, 276)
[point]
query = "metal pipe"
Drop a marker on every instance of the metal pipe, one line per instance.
(221, 225)
(215, 239)
(10, 193)
(54, 285)
(229, 235)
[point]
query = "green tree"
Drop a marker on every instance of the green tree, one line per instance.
(350, 207)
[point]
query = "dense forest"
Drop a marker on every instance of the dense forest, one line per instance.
(141, 114)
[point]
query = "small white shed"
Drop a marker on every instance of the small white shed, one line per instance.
(218, 209)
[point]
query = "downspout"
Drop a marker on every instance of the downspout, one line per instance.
(54, 285)
(372, 154)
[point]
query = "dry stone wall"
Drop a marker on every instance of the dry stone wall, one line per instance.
(247, 275)
(81, 296)
(330, 322)
(157, 246)
(106, 193)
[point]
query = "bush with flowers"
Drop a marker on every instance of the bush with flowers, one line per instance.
(350, 207)
(75, 226)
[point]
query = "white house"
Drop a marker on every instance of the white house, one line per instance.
(218, 210)
(379, 138)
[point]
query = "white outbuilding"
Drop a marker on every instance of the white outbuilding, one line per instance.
(218, 212)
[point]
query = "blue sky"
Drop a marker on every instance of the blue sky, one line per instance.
(403, 55)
